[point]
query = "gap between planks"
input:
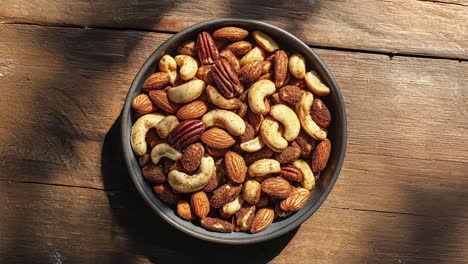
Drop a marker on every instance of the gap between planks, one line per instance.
(389, 54)
(442, 2)
(131, 191)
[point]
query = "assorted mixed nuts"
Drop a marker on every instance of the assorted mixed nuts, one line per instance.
(232, 137)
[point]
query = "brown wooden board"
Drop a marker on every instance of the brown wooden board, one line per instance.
(56, 224)
(406, 117)
(429, 28)
(401, 196)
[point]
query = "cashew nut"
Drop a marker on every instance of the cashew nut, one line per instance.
(297, 66)
(186, 92)
(185, 183)
(288, 119)
(264, 167)
(252, 145)
(265, 41)
(257, 93)
(139, 130)
(314, 84)
(164, 150)
(251, 191)
(272, 136)
(188, 66)
(308, 180)
(232, 207)
(255, 54)
(233, 123)
(166, 125)
(309, 125)
(220, 101)
(169, 65)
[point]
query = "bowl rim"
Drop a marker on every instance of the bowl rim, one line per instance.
(129, 155)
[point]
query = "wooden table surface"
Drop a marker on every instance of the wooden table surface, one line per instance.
(65, 69)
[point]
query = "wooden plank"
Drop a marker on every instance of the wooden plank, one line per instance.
(55, 224)
(430, 28)
(406, 117)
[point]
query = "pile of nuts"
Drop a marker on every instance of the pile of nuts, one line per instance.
(231, 132)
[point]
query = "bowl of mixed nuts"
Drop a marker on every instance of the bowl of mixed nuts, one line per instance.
(234, 131)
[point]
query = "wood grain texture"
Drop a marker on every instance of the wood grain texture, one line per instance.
(77, 225)
(406, 117)
(398, 26)
(401, 195)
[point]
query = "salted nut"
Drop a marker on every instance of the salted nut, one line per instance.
(166, 125)
(264, 167)
(169, 65)
(188, 66)
(185, 183)
(257, 94)
(233, 123)
(315, 85)
(186, 92)
(220, 101)
(252, 145)
(247, 103)
(288, 119)
(272, 136)
(164, 150)
(309, 126)
(139, 130)
(308, 180)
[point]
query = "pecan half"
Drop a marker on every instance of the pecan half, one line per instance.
(186, 133)
(291, 173)
(206, 47)
(226, 79)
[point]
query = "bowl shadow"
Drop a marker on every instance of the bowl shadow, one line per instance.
(146, 234)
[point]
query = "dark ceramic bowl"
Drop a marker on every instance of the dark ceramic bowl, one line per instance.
(337, 133)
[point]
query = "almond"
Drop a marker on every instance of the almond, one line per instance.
(321, 155)
(288, 155)
(266, 76)
(156, 81)
(275, 99)
(280, 61)
(192, 110)
(263, 219)
(185, 211)
(143, 105)
(159, 98)
(240, 48)
(225, 194)
(188, 48)
(296, 200)
(306, 143)
(235, 167)
(320, 113)
(218, 178)
(165, 193)
(200, 204)
(217, 138)
(191, 157)
(297, 82)
(250, 72)
(266, 66)
(276, 187)
(230, 34)
(153, 173)
(265, 41)
(291, 94)
(217, 225)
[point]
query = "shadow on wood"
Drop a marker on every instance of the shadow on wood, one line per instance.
(153, 238)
